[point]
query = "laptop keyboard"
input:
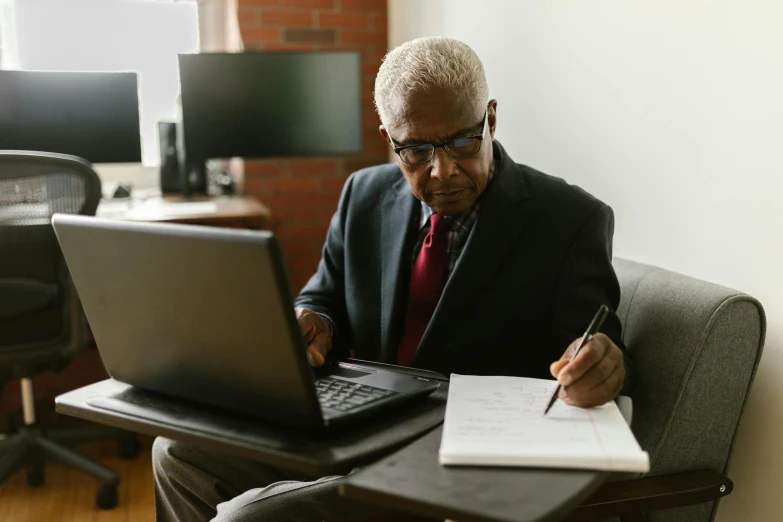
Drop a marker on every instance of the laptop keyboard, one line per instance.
(343, 395)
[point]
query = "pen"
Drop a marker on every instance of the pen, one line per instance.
(595, 324)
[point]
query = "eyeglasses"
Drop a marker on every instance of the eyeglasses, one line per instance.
(459, 148)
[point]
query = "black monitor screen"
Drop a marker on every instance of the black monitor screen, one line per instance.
(91, 115)
(262, 104)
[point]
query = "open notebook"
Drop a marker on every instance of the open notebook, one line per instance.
(499, 421)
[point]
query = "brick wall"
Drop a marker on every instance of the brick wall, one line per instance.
(303, 193)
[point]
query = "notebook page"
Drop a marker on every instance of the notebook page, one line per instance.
(499, 421)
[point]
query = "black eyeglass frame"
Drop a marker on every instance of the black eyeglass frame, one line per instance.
(444, 144)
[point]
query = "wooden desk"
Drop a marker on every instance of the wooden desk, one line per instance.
(223, 211)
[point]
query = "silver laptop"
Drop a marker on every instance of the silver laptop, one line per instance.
(206, 314)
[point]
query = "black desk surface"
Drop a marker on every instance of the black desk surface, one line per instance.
(313, 454)
(412, 481)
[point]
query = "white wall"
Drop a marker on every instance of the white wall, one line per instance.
(672, 112)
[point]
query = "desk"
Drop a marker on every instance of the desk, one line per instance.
(225, 211)
(316, 454)
(411, 480)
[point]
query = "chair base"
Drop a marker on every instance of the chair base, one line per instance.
(29, 448)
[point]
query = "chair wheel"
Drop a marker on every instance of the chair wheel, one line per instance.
(106, 498)
(129, 448)
(35, 476)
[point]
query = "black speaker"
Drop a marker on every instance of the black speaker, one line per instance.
(169, 157)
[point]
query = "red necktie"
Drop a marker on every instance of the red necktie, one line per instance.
(427, 282)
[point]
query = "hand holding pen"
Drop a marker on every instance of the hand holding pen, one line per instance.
(591, 371)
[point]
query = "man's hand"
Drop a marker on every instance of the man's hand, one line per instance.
(594, 377)
(317, 335)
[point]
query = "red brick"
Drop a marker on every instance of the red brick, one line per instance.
(370, 69)
(380, 53)
(358, 163)
(373, 5)
(373, 53)
(364, 37)
(300, 268)
(372, 134)
(263, 3)
(375, 148)
(287, 18)
(333, 183)
(307, 252)
(310, 230)
(303, 267)
(342, 20)
(369, 73)
(310, 36)
(366, 52)
(325, 202)
(257, 186)
(309, 217)
(381, 22)
(370, 119)
(313, 168)
(308, 184)
(316, 4)
(263, 168)
(247, 18)
(262, 35)
(296, 248)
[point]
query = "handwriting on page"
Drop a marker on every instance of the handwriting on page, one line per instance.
(499, 413)
(500, 421)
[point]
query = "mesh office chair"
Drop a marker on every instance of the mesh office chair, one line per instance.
(42, 325)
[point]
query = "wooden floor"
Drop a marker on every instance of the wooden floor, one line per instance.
(69, 496)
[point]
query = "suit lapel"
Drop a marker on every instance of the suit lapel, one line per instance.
(500, 220)
(397, 241)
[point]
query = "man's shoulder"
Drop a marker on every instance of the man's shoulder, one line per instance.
(556, 193)
(376, 177)
(371, 184)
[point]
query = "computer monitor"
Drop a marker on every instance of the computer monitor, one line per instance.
(262, 104)
(91, 115)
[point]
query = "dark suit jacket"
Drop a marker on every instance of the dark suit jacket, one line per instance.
(534, 270)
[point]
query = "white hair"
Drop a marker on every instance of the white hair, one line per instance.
(425, 64)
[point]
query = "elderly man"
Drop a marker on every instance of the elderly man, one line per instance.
(455, 259)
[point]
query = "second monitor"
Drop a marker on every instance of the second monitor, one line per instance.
(265, 104)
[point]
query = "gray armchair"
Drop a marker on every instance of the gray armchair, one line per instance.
(697, 346)
(42, 325)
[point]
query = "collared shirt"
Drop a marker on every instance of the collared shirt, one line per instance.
(459, 228)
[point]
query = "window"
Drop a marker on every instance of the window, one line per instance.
(7, 36)
(143, 36)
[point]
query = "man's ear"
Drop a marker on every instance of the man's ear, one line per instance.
(492, 116)
(383, 132)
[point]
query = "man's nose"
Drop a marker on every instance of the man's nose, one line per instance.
(443, 167)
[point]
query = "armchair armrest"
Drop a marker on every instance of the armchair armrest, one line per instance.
(633, 498)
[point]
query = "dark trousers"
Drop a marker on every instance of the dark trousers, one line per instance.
(193, 484)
